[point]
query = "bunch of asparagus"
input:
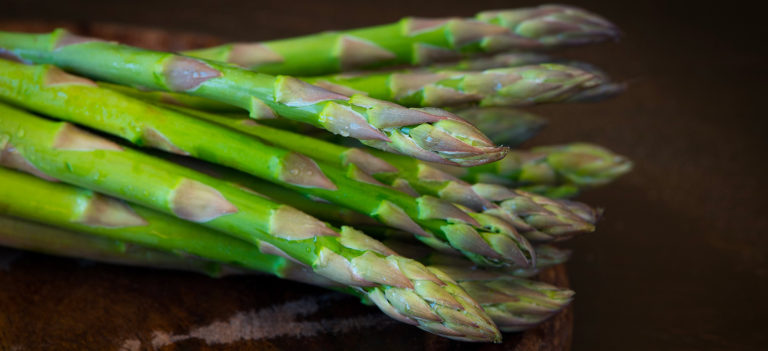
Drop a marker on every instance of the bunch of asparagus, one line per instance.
(204, 160)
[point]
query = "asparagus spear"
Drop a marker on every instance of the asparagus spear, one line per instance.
(402, 288)
(534, 216)
(515, 86)
(435, 135)
(508, 298)
(417, 41)
(558, 171)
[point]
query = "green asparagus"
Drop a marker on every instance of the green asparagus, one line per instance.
(417, 41)
(515, 86)
(402, 288)
(435, 135)
(217, 221)
(436, 223)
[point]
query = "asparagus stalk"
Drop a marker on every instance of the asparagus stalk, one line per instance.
(557, 171)
(435, 222)
(32, 236)
(417, 41)
(514, 86)
(503, 294)
(179, 99)
(435, 135)
(535, 217)
(481, 63)
(402, 288)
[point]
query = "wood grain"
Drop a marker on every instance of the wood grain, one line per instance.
(64, 304)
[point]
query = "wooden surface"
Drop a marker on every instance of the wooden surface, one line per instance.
(55, 303)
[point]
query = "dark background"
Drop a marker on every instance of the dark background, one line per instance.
(679, 261)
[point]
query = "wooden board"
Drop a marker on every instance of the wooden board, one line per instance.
(64, 304)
